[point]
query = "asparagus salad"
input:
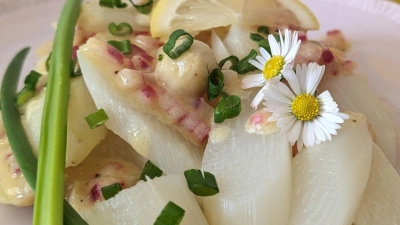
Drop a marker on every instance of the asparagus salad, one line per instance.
(195, 112)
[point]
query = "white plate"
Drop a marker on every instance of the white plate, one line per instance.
(372, 27)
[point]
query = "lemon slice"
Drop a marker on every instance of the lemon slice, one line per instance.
(198, 15)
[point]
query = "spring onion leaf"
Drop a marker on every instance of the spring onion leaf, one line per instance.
(49, 198)
(234, 61)
(96, 119)
(150, 170)
(172, 214)
(228, 108)
(160, 57)
(175, 51)
(201, 185)
(19, 142)
(145, 8)
(263, 30)
(12, 122)
(124, 46)
(120, 29)
(215, 84)
(111, 190)
(256, 37)
(244, 66)
(112, 4)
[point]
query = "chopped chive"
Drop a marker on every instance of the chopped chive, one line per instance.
(160, 57)
(244, 66)
(112, 4)
(120, 29)
(32, 79)
(145, 8)
(265, 44)
(172, 214)
(120, 4)
(215, 84)
(201, 185)
(263, 30)
(256, 37)
(29, 90)
(124, 46)
(175, 51)
(111, 190)
(234, 61)
(25, 95)
(96, 119)
(150, 170)
(53, 138)
(75, 69)
(228, 108)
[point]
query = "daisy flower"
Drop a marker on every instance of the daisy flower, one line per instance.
(272, 67)
(303, 116)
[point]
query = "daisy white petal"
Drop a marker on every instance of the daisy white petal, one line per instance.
(291, 78)
(261, 60)
(256, 80)
(256, 64)
(265, 54)
(294, 132)
(274, 45)
(259, 97)
(332, 117)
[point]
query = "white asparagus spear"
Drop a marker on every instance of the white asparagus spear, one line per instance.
(352, 93)
(142, 203)
(253, 174)
(329, 179)
(381, 201)
(154, 140)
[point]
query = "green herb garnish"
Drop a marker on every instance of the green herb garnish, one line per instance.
(201, 185)
(96, 119)
(145, 8)
(150, 170)
(124, 46)
(112, 4)
(121, 29)
(29, 89)
(228, 108)
(172, 214)
(111, 190)
(244, 66)
(234, 61)
(175, 51)
(215, 84)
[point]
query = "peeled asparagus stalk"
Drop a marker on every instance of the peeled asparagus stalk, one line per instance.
(123, 96)
(329, 179)
(142, 203)
(353, 93)
(253, 174)
(381, 201)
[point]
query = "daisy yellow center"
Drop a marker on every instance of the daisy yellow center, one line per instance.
(305, 107)
(273, 67)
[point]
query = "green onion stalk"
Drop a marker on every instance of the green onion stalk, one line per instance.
(49, 205)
